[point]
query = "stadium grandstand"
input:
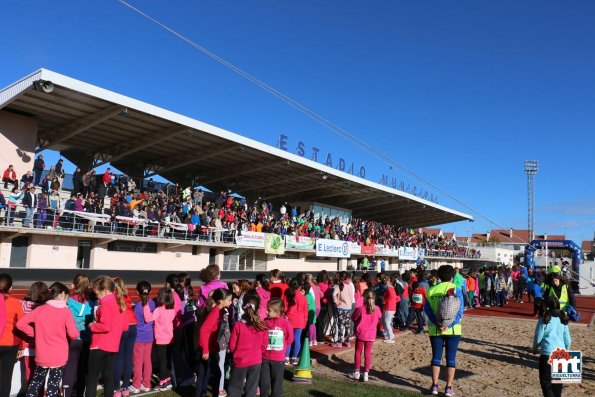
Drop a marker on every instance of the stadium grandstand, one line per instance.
(236, 202)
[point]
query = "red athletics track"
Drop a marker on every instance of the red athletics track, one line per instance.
(585, 305)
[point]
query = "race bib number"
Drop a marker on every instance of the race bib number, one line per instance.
(275, 340)
(417, 298)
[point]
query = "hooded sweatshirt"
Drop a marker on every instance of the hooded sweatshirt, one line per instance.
(144, 333)
(50, 324)
(107, 329)
(280, 337)
(366, 323)
(244, 342)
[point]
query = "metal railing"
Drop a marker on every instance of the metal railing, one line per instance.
(84, 222)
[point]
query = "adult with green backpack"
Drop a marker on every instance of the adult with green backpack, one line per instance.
(444, 310)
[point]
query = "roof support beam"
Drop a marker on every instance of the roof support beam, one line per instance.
(294, 192)
(245, 168)
(68, 131)
(120, 150)
(188, 158)
(280, 181)
(370, 197)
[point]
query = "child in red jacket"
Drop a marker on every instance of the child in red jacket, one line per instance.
(247, 336)
(212, 339)
(418, 298)
(106, 332)
(50, 324)
(280, 337)
(297, 314)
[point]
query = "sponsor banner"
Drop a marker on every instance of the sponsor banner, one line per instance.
(333, 248)
(368, 249)
(274, 244)
(567, 366)
(300, 242)
(251, 239)
(355, 248)
(384, 250)
(408, 253)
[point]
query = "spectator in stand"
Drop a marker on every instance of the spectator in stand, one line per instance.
(42, 207)
(55, 184)
(3, 204)
(59, 168)
(107, 176)
(12, 202)
(92, 182)
(10, 176)
(26, 179)
(30, 203)
(51, 174)
(38, 167)
(151, 186)
(77, 181)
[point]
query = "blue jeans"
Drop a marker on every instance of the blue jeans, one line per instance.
(28, 216)
(450, 344)
(296, 345)
(123, 359)
(403, 311)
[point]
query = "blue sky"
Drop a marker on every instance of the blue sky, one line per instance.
(460, 92)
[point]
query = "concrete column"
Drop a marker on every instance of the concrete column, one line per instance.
(17, 142)
(343, 264)
(219, 258)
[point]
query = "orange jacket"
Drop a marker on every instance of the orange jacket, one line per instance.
(14, 312)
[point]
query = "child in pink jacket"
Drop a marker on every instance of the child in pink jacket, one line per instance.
(164, 316)
(248, 340)
(51, 325)
(365, 320)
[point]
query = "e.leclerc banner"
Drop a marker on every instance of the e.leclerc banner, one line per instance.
(332, 248)
(408, 253)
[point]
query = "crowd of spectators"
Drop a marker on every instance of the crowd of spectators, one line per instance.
(120, 196)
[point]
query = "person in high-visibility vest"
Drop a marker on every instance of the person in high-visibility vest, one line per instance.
(443, 337)
(557, 285)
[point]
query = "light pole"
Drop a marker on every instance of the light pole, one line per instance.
(531, 168)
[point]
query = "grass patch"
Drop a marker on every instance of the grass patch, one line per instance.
(322, 387)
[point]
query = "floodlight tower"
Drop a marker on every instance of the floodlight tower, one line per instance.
(531, 168)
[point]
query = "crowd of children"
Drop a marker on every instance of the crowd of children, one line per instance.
(74, 339)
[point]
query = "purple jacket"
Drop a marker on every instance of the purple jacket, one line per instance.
(209, 287)
(144, 330)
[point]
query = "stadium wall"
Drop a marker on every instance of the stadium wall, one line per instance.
(18, 135)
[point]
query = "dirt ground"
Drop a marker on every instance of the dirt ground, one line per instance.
(494, 359)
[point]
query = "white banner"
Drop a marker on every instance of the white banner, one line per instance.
(408, 253)
(355, 248)
(384, 250)
(251, 239)
(333, 248)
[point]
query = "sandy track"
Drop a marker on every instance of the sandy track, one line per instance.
(494, 359)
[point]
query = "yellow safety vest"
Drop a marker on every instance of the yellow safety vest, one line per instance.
(563, 298)
(433, 296)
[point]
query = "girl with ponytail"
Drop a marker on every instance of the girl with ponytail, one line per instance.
(51, 325)
(365, 318)
(123, 359)
(297, 314)
(249, 334)
(106, 333)
(141, 358)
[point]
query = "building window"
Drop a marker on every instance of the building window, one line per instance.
(132, 246)
(289, 255)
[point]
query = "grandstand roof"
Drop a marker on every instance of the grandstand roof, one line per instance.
(85, 122)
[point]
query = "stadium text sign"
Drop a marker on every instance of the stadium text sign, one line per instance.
(342, 165)
(332, 248)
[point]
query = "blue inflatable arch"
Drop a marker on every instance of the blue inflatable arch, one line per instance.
(575, 250)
